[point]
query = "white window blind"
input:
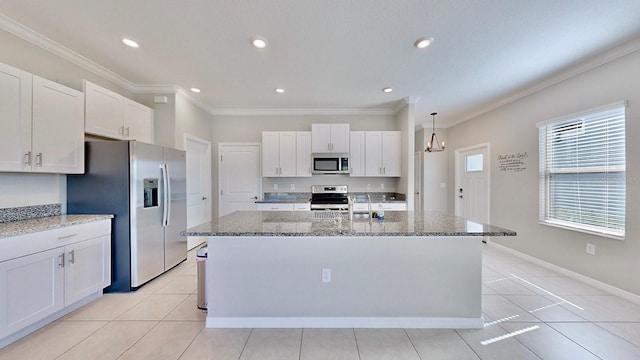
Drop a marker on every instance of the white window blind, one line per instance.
(582, 171)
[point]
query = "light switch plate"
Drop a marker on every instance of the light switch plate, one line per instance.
(591, 249)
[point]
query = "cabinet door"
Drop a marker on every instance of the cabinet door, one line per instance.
(373, 149)
(340, 138)
(104, 112)
(88, 268)
(320, 138)
(356, 153)
(138, 122)
(391, 156)
(15, 119)
(270, 153)
(58, 131)
(31, 288)
(287, 149)
(303, 153)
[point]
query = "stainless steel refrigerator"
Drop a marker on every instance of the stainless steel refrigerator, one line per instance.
(144, 186)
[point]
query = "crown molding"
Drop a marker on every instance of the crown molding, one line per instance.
(615, 53)
(23, 32)
(299, 112)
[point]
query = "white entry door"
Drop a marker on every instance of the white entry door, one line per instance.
(198, 185)
(472, 183)
(240, 179)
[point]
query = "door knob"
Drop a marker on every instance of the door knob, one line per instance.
(255, 198)
(204, 198)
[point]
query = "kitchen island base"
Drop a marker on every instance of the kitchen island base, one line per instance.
(344, 282)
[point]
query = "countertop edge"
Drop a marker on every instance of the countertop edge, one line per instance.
(23, 227)
(346, 234)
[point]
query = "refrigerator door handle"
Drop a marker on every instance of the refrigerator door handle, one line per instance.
(168, 193)
(165, 195)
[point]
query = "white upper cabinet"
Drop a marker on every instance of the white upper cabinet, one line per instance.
(57, 131)
(330, 138)
(356, 153)
(303, 153)
(103, 111)
(138, 122)
(15, 119)
(279, 153)
(382, 153)
(111, 115)
(42, 124)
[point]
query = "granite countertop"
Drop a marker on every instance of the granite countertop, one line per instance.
(15, 228)
(303, 223)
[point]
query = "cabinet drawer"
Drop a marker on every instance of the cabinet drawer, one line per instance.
(21, 245)
(274, 207)
(302, 207)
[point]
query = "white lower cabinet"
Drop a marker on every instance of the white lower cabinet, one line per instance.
(87, 268)
(31, 288)
(47, 278)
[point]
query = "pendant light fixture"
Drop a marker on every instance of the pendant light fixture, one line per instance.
(434, 145)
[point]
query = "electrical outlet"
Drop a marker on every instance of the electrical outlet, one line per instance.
(368, 186)
(443, 185)
(326, 275)
(293, 186)
(591, 249)
(275, 186)
(381, 186)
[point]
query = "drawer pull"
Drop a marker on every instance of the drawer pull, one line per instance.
(72, 256)
(66, 236)
(61, 263)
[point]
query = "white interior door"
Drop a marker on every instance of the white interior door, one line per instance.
(240, 180)
(198, 185)
(418, 184)
(472, 183)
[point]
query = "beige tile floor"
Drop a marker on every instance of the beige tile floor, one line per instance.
(530, 312)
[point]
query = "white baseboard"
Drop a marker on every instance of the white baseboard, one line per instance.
(346, 322)
(572, 274)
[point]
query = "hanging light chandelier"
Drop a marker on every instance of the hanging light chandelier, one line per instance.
(434, 145)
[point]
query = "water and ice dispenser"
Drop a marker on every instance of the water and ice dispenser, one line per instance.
(150, 192)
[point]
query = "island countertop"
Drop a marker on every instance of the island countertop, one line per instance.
(305, 223)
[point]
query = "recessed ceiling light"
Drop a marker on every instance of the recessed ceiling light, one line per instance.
(130, 43)
(195, 90)
(259, 42)
(387, 90)
(423, 42)
(279, 90)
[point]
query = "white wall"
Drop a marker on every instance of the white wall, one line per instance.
(511, 129)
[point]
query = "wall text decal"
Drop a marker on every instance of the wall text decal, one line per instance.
(513, 162)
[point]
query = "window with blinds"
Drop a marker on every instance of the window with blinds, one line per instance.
(582, 171)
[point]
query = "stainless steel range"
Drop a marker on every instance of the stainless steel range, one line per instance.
(329, 197)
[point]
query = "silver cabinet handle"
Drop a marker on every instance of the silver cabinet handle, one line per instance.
(66, 236)
(39, 159)
(72, 256)
(384, 171)
(127, 134)
(121, 130)
(27, 158)
(61, 262)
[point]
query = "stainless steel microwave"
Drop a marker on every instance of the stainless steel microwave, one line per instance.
(323, 164)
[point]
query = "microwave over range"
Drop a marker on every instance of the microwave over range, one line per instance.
(330, 164)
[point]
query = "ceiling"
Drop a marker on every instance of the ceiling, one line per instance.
(337, 55)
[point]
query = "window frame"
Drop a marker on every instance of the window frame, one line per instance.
(545, 172)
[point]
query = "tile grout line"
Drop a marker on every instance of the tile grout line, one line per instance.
(412, 344)
(245, 343)
(356, 340)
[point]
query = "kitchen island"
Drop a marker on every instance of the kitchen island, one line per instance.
(296, 269)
